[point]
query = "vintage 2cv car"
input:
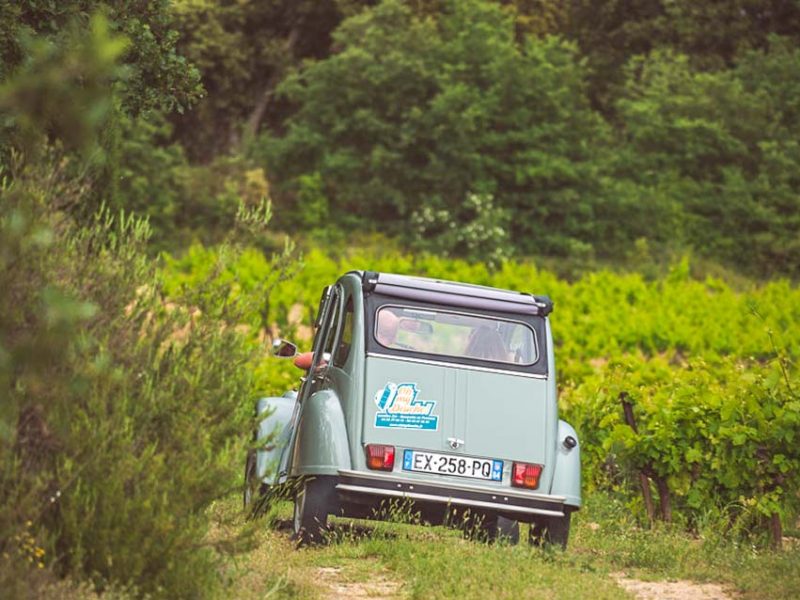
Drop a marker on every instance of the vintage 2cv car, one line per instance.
(436, 393)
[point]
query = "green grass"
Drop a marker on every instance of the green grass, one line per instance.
(609, 538)
(435, 562)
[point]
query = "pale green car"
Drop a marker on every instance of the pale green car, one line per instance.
(437, 395)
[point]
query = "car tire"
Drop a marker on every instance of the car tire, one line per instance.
(312, 504)
(550, 531)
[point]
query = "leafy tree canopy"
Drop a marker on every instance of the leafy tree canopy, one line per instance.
(417, 111)
(243, 49)
(711, 34)
(725, 144)
(159, 78)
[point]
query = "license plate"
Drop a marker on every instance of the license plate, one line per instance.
(446, 464)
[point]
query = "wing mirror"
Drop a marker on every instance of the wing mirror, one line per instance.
(283, 348)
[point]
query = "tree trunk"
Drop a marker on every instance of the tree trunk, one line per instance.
(648, 497)
(664, 499)
(776, 530)
(627, 409)
(262, 104)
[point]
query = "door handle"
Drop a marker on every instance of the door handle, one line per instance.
(455, 443)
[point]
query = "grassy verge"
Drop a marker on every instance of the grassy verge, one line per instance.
(434, 562)
(606, 535)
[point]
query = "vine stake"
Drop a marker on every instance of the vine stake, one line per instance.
(627, 408)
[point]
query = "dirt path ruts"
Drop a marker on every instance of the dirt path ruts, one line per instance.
(338, 587)
(671, 590)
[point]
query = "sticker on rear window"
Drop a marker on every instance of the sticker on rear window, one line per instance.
(398, 408)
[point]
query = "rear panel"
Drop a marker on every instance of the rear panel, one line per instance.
(433, 406)
(408, 404)
(503, 415)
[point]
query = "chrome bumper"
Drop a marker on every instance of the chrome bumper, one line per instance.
(355, 484)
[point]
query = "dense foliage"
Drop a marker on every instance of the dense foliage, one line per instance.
(723, 147)
(479, 129)
(158, 77)
(437, 112)
(121, 413)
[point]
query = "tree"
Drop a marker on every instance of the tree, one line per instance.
(723, 144)
(243, 49)
(158, 77)
(710, 34)
(121, 413)
(416, 111)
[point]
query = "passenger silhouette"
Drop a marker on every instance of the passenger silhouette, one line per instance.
(485, 342)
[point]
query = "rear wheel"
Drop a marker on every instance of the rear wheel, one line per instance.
(312, 503)
(550, 531)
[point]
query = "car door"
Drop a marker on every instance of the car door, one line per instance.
(340, 376)
(319, 375)
(314, 378)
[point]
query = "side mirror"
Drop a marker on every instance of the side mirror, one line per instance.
(283, 348)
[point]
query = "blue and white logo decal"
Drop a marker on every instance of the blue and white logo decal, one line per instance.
(398, 408)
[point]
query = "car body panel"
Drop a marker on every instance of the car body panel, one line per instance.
(321, 447)
(493, 414)
(361, 392)
(567, 479)
(273, 433)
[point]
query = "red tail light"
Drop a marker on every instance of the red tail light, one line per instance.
(525, 476)
(380, 457)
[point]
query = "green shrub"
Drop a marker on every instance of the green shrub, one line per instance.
(719, 432)
(124, 416)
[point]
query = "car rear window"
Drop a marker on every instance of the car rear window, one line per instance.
(456, 335)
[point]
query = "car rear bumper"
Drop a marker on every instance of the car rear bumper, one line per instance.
(361, 487)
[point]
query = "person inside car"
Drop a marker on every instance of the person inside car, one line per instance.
(485, 342)
(304, 360)
(386, 331)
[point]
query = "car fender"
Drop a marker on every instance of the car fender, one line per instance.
(321, 446)
(567, 475)
(275, 430)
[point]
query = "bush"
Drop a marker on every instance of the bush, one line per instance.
(124, 416)
(719, 435)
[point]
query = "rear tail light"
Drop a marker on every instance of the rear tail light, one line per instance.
(380, 457)
(525, 475)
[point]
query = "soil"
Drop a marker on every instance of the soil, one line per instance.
(339, 588)
(672, 590)
(335, 582)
